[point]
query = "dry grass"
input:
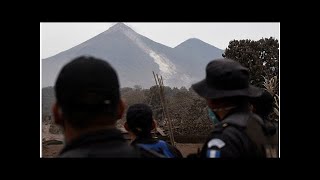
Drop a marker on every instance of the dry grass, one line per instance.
(276, 109)
(271, 86)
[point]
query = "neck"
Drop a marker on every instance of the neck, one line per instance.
(222, 114)
(72, 133)
(134, 136)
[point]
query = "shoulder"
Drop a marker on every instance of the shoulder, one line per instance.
(225, 141)
(241, 119)
(108, 150)
(226, 131)
(237, 125)
(75, 153)
(174, 150)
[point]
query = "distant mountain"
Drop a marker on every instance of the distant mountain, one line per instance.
(135, 57)
(194, 55)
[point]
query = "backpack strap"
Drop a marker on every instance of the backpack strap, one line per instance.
(146, 152)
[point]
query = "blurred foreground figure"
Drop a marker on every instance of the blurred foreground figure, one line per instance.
(87, 108)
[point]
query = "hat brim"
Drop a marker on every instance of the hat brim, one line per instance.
(211, 93)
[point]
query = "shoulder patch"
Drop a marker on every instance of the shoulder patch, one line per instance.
(216, 142)
(213, 154)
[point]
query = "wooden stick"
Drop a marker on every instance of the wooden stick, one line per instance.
(155, 78)
(158, 89)
(166, 110)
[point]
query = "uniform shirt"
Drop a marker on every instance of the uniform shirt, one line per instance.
(107, 143)
(229, 139)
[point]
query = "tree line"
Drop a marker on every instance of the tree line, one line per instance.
(187, 110)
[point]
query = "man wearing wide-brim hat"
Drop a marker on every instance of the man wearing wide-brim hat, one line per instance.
(238, 132)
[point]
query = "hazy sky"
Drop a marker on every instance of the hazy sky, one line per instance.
(57, 37)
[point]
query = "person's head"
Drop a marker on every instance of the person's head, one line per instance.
(87, 95)
(263, 105)
(139, 120)
(226, 86)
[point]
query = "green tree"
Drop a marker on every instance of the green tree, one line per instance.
(260, 57)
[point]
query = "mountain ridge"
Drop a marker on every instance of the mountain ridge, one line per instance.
(135, 56)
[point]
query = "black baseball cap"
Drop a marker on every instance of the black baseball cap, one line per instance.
(87, 83)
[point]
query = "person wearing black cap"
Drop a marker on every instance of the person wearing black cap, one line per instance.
(139, 124)
(88, 104)
(238, 132)
(263, 105)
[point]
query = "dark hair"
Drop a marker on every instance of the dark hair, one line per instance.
(263, 104)
(139, 119)
(88, 88)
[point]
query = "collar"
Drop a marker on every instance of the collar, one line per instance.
(239, 117)
(93, 137)
(144, 140)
